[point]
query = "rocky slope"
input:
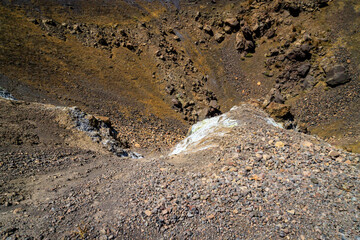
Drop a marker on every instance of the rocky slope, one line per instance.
(154, 63)
(30, 132)
(247, 179)
(255, 79)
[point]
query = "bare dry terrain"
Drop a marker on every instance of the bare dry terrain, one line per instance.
(97, 98)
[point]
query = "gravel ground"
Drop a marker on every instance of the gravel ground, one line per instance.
(260, 182)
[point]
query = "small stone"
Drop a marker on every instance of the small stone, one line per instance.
(292, 212)
(334, 154)
(211, 216)
(103, 237)
(106, 120)
(176, 103)
(314, 180)
(279, 144)
(257, 177)
(348, 162)
(196, 197)
(33, 20)
(148, 213)
(227, 29)
(224, 169)
(17, 210)
(248, 168)
(197, 16)
(306, 144)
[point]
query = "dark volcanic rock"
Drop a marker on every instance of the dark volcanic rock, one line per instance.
(322, 3)
(303, 70)
(208, 112)
(299, 53)
(273, 96)
(243, 44)
(103, 42)
(248, 34)
(336, 76)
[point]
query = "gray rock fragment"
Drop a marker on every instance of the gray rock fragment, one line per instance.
(336, 76)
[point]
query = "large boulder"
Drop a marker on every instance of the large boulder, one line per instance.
(219, 37)
(247, 33)
(233, 23)
(303, 70)
(273, 96)
(242, 44)
(299, 53)
(104, 119)
(336, 76)
(249, 46)
(240, 41)
(208, 112)
(278, 110)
